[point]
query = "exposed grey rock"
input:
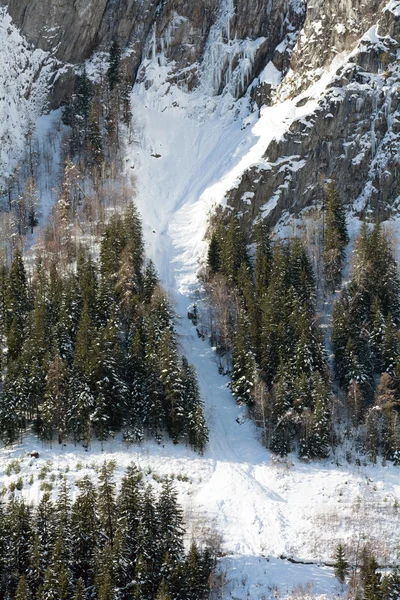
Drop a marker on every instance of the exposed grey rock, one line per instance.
(352, 137)
(179, 28)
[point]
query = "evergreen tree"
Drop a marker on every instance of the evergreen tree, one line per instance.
(263, 259)
(196, 426)
(114, 69)
(214, 254)
(150, 281)
(55, 407)
(85, 529)
(244, 365)
(170, 523)
(371, 578)
(317, 443)
(95, 139)
(22, 592)
(80, 591)
(81, 407)
(173, 388)
(83, 348)
(335, 237)
(17, 305)
(106, 503)
(340, 566)
(233, 251)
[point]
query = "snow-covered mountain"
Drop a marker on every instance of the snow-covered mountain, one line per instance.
(255, 104)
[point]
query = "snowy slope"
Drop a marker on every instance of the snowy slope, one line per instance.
(189, 151)
(24, 78)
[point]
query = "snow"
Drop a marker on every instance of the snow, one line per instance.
(271, 75)
(340, 28)
(394, 7)
(265, 508)
(24, 80)
(371, 35)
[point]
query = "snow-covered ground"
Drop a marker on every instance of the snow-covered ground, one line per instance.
(187, 151)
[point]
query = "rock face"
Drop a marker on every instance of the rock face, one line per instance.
(354, 134)
(74, 30)
(181, 29)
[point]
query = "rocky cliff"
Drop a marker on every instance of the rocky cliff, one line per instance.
(180, 29)
(353, 133)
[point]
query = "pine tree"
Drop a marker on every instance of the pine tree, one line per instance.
(81, 407)
(106, 378)
(150, 281)
(335, 237)
(317, 444)
(83, 348)
(85, 529)
(371, 578)
(55, 407)
(44, 533)
(148, 552)
(107, 503)
(95, 139)
(80, 590)
(100, 419)
(196, 426)
(113, 72)
(244, 365)
(163, 591)
(173, 388)
(19, 518)
(17, 305)
(22, 592)
(283, 431)
(105, 579)
(233, 251)
(81, 111)
(129, 503)
(340, 566)
(194, 586)
(214, 254)
(170, 523)
(263, 259)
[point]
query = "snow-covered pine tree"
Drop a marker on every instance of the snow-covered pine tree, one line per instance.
(173, 387)
(106, 502)
(195, 426)
(85, 530)
(244, 371)
(170, 520)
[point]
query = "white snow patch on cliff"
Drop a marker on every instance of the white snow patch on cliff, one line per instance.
(394, 7)
(24, 79)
